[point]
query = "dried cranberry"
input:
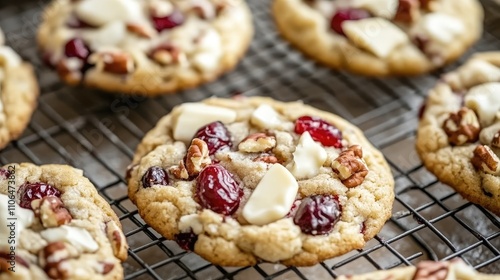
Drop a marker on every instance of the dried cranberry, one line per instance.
(173, 20)
(186, 240)
(216, 136)
(31, 191)
(76, 47)
(347, 14)
(4, 173)
(155, 176)
(320, 130)
(217, 190)
(317, 214)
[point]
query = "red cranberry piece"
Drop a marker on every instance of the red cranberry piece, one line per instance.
(173, 20)
(216, 136)
(320, 131)
(31, 191)
(155, 176)
(77, 48)
(347, 14)
(318, 214)
(217, 190)
(186, 240)
(4, 173)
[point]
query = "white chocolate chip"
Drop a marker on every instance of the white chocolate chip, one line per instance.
(78, 237)
(272, 198)
(265, 117)
(112, 34)
(101, 12)
(10, 230)
(380, 8)
(377, 35)
(9, 58)
(193, 116)
(206, 62)
(191, 222)
(485, 101)
(325, 7)
(308, 157)
(439, 27)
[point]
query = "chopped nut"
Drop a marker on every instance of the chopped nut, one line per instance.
(105, 267)
(169, 54)
(462, 127)
(350, 166)
(257, 143)
(180, 171)
(197, 157)
(141, 30)
(267, 158)
(429, 270)
(58, 270)
(495, 142)
(408, 11)
(69, 70)
(117, 240)
(51, 212)
(56, 252)
(485, 159)
(116, 62)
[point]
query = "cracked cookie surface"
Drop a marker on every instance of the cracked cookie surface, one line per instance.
(458, 137)
(380, 38)
(239, 181)
(63, 228)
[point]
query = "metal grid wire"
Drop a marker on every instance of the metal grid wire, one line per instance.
(98, 133)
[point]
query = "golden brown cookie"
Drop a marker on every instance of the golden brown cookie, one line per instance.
(254, 179)
(54, 225)
(380, 37)
(148, 47)
(458, 135)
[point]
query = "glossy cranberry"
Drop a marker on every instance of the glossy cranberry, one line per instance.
(320, 131)
(318, 214)
(216, 136)
(155, 176)
(77, 48)
(186, 240)
(173, 20)
(346, 14)
(4, 173)
(31, 191)
(217, 190)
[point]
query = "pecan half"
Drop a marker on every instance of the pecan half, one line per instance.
(51, 211)
(350, 167)
(257, 143)
(430, 270)
(117, 240)
(485, 159)
(462, 127)
(53, 256)
(408, 11)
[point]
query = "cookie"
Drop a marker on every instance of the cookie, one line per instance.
(458, 134)
(54, 225)
(455, 269)
(380, 37)
(18, 94)
(239, 181)
(147, 47)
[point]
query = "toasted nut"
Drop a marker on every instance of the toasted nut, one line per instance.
(495, 142)
(117, 240)
(408, 11)
(267, 158)
(430, 270)
(105, 267)
(69, 70)
(56, 252)
(141, 30)
(168, 54)
(51, 211)
(350, 167)
(180, 171)
(485, 159)
(116, 62)
(58, 270)
(257, 143)
(462, 127)
(197, 157)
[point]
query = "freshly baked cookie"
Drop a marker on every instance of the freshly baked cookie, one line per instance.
(455, 269)
(18, 94)
(458, 136)
(148, 47)
(380, 37)
(54, 225)
(253, 179)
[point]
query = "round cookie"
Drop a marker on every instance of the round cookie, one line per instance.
(458, 137)
(148, 47)
(54, 225)
(380, 37)
(239, 181)
(18, 94)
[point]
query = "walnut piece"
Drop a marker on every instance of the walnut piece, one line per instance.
(495, 142)
(430, 270)
(350, 167)
(117, 240)
(52, 257)
(267, 158)
(197, 158)
(462, 127)
(116, 62)
(69, 70)
(51, 211)
(408, 11)
(257, 143)
(485, 159)
(169, 54)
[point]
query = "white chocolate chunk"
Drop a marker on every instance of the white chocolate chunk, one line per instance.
(265, 117)
(272, 198)
(195, 115)
(439, 27)
(485, 101)
(308, 157)
(112, 34)
(210, 41)
(380, 8)
(10, 230)
(9, 58)
(100, 12)
(325, 7)
(377, 35)
(190, 222)
(78, 237)
(206, 61)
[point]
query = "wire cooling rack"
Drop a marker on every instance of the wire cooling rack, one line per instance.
(98, 133)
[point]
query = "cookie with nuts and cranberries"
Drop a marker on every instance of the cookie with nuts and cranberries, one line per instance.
(456, 269)
(147, 47)
(18, 93)
(239, 181)
(380, 37)
(54, 225)
(459, 133)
